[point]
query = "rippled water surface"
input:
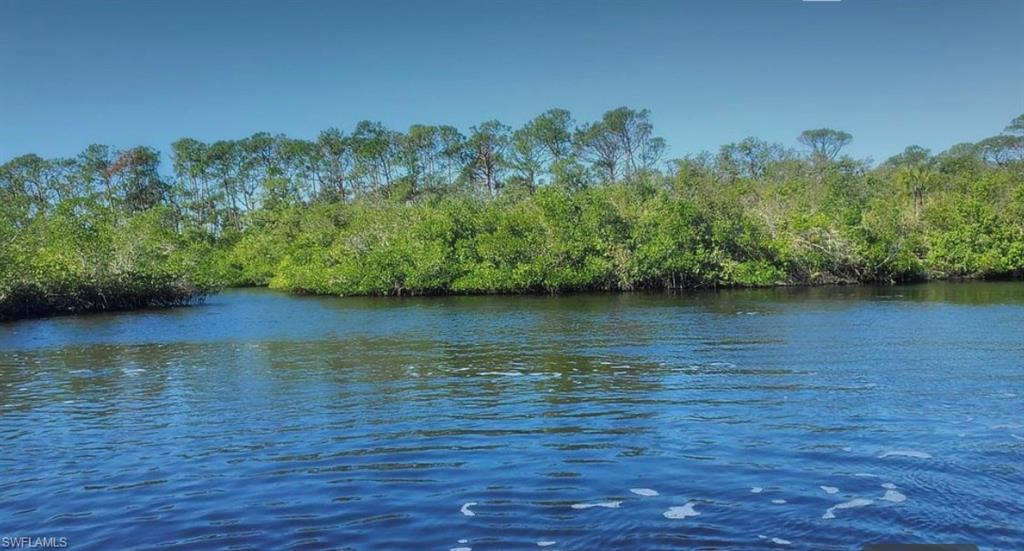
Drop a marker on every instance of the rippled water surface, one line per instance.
(813, 418)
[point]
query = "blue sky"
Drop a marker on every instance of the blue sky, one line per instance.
(893, 73)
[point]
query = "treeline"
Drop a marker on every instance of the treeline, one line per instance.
(551, 206)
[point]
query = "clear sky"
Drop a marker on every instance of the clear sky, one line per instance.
(893, 73)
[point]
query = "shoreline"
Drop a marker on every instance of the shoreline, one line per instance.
(27, 303)
(200, 297)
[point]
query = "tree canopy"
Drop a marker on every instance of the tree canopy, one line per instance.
(825, 142)
(554, 205)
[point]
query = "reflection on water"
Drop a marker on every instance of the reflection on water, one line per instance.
(822, 418)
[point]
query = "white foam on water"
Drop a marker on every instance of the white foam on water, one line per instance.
(462, 549)
(645, 492)
(1007, 426)
(894, 496)
(681, 512)
(829, 489)
(779, 501)
(465, 509)
(780, 541)
(858, 502)
(463, 541)
(546, 543)
(889, 486)
(756, 490)
(847, 449)
(760, 537)
(865, 475)
(605, 504)
(906, 453)
(1017, 436)
(502, 373)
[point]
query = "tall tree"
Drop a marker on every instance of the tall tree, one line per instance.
(544, 140)
(190, 160)
(641, 150)
(1002, 149)
(292, 179)
(136, 176)
(825, 143)
(334, 162)
(913, 155)
(376, 151)
(224, 161)
(621, 143)
(23, 182)
(421, 157)
(94, 170)
(749, 158)
(453, 152)
(487, 145)
(527, 156)
(918, 180)
(598, 145)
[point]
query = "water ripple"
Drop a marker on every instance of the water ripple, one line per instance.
(594, 422)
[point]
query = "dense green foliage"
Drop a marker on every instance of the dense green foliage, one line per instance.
(83, 257)
(66, 249)
(552, 206)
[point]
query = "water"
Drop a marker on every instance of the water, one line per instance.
(263, 421)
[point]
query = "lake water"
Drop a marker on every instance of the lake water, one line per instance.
(826, 418)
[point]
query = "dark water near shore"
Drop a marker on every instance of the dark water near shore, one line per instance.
(266, 421)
